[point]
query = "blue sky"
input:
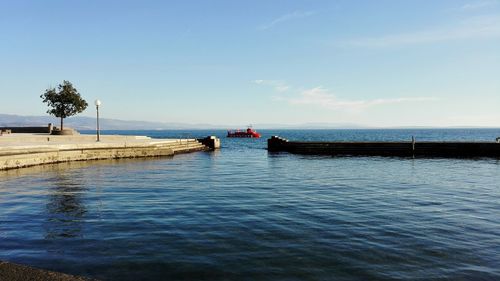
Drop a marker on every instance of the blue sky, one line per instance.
(374, 63)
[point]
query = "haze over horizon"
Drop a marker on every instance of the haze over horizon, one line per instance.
(373, 63)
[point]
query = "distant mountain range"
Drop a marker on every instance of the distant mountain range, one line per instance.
(89, 123)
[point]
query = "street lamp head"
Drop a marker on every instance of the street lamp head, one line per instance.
(97, 102)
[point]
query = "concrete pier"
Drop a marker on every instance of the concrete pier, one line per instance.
(23, 150)
(211, 142)
(401, 149)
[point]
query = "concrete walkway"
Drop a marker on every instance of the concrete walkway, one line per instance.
(22, 150)
(45, 140)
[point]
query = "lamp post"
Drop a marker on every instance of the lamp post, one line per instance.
(97, 104)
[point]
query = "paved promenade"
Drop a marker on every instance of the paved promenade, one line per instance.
(22, 150)
(14, 141)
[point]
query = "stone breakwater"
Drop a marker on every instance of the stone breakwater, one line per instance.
(398, 149)
(23, 150)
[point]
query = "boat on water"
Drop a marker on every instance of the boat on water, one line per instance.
(248, 133)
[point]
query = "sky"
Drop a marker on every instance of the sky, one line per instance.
(371, 63)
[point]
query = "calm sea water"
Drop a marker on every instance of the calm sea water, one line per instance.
(242, 213)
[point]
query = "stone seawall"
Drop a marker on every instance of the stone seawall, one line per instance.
(21, 150)
(401, 149)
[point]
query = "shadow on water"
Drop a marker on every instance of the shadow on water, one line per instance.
(65, 208)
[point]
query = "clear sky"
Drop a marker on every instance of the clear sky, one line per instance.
(375, 63)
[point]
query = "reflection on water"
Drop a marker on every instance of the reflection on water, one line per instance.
(65, 207)
(70, 166)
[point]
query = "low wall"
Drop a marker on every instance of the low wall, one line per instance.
(31, 130)
(402, 149)
(47, 156)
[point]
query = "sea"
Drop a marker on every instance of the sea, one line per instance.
(243, 213)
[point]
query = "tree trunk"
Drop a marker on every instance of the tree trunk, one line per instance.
(61, 123)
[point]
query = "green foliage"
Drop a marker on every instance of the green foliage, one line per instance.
(64, 102)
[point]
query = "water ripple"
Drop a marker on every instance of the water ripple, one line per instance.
(241, 213)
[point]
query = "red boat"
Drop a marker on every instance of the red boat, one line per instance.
(249, 133)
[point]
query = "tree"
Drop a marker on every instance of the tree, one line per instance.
(64, 102)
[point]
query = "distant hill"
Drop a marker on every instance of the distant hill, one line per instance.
(88, 123)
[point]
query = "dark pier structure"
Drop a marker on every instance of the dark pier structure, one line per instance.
(398, 149)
